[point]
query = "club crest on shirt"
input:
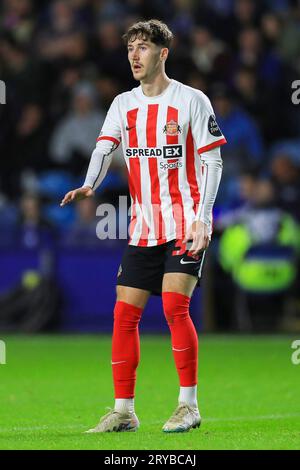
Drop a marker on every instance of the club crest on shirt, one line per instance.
(172, 128)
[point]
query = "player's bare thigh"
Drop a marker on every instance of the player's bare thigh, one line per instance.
(132, 296)
(181, 283)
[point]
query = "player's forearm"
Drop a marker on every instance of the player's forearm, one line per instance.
(213, 166)
(99, 163)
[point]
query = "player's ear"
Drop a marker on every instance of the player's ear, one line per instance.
(164, 53)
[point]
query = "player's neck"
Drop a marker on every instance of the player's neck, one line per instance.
(156, 85)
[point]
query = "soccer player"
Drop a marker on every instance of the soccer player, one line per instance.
(171, 143)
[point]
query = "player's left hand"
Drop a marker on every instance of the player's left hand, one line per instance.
(199, 234)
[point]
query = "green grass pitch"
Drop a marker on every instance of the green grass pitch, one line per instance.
(53, 388)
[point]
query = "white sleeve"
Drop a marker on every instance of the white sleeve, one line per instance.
(213, 165)
(99, 163)
(108, 141)
(205, 130)
(111, 129)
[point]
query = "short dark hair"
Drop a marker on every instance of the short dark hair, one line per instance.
(153, 30)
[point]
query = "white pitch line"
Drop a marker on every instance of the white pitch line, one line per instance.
(212, 420)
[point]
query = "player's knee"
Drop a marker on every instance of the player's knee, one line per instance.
(127, 315)
(175, 306)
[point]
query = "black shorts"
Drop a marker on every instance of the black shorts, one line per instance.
(144, 267)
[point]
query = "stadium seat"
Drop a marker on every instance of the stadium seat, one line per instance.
(61, 218)
(54, 184)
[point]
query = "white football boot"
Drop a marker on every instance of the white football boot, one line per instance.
(115, 421)
(183, 419)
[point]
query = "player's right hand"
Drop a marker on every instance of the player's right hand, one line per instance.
(77, 194)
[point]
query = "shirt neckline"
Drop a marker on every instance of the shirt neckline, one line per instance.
(156, 97)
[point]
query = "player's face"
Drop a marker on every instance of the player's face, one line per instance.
(144, 58)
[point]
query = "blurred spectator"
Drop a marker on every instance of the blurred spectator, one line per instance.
(110, 54)
(290, 38)
(271, 25)
(31, 143)
(84, 11)
(246, 186)
(18, 18)
(33, 231)
(251, 53)
(62, 90)
(254, 96)
(198, 81)
(260, 251)
(83, 231)
(61, 18)
(180, 64)
(21, 71)
(246, 86)
(63, 39)
(246, 13)
(242, 135)
(107, 87)
(75, 136)
(209, 54)
(183, 19)
(286, 177)
(244, 143)
(233, 17)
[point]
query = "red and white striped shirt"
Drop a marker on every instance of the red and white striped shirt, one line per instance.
(162, 138)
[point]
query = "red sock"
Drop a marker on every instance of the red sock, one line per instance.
(125, 348)
(183, 335)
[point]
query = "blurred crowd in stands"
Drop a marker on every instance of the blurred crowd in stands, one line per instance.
(63, 62)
